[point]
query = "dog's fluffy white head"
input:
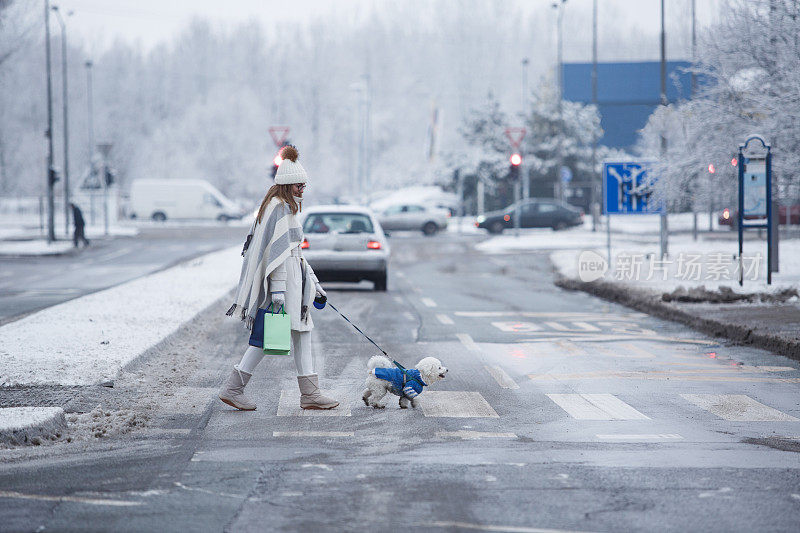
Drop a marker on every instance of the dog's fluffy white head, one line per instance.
(431, 370)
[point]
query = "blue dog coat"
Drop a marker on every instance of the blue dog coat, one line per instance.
(406, 383)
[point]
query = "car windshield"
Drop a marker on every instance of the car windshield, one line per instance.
(338, 223)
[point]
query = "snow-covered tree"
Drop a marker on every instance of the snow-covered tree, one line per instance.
(749, 71)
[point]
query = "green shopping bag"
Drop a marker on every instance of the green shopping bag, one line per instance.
(277, 327)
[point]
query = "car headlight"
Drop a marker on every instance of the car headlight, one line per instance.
(481, 219)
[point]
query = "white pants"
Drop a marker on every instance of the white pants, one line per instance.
(301, 349)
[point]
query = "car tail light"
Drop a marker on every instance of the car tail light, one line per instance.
(506, 217)
(374, 245)
(726, 213)
(477, 224)
(305, 244)
(449, 214)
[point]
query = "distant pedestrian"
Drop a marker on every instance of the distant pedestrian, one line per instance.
(275, 272)
(77, 218)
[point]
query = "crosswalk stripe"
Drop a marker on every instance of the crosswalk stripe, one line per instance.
(642, 437)
(444, 319)
(467, 341)
(471, 435)
(428, 302)
(738, 407)
(312, 433)
(501, 377)
(458, 404)
(596, 407)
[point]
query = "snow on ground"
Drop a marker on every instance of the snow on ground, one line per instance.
(12, 418)
(89, 339)
(11, 231)
(36, 247)
(707, 262)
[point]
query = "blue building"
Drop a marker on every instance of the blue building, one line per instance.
(627, 93)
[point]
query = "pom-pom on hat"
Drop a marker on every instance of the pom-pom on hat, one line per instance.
(290, 171)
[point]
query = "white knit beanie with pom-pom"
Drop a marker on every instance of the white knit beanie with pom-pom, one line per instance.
(290, 171)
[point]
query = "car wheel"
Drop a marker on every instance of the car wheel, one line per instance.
(496, 228)
(560, 226)
(380, 282)
(158, 216)
(223, 218)
(430, 228)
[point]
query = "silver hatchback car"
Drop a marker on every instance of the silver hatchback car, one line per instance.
(414, 217)
(345, 243)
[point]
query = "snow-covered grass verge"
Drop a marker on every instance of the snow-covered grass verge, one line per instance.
(34, 248)
(89, 339)
(705, 264)
(95, 231)
(30, 425)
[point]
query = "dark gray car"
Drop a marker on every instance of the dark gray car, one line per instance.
(539, 213)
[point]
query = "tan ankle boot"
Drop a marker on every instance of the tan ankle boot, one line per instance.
(310, 397)
(232, 392)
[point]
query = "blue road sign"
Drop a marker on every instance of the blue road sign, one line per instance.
(628, 189)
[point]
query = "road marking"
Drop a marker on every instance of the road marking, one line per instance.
(428, 302)
(456, 404)
(658, 375)
(398, 299)
(636, 349)
(408, 316)
(501, 377)
(289, 405)
(643, 437)
(400, 274)
(582, 326)
(569, 346)
(517, 327)
(596, 407)
(446, 320)
(738, 407)
(776, 368)
(114, 255)
(312, 433)
(561, 316)
(472, 435)
(468, 343)
(487, 527)
(74, 499)
(553, 336)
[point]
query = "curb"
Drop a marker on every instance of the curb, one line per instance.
(653, 306)
(30, 425)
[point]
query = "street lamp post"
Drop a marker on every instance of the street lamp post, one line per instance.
(90, 122)
(664, 233)
(104, 149)
(593, 193)
(559, 6)
(65, 105)
(51, 233)
(526, 181)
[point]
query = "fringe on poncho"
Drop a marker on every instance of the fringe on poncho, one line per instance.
(270, 243)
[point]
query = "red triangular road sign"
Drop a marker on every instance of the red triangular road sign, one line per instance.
(279, 134)
(515, 136)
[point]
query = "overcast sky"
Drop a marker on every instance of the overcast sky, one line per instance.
(99, 22)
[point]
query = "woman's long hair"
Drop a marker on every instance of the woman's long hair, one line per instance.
(283, 192)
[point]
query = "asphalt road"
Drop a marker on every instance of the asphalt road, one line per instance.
(560, 412)
(28, 284)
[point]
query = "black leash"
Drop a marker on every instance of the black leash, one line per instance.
(398, 365)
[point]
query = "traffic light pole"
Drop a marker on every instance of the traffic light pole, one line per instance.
(51, 233)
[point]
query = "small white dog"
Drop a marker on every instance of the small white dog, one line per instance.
(385, 377)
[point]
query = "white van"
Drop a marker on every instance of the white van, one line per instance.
(180, 199)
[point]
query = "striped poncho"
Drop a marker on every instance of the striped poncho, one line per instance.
(270, 244)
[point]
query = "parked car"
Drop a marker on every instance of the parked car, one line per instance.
(180, 199)
(787, 214)
(345, 243)
(414, 217)
(537, 213)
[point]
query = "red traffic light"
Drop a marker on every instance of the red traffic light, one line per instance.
(711, 168)
(277, 161)
(515, 159)
(734, 162)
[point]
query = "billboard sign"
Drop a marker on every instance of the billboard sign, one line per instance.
(755, 188)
